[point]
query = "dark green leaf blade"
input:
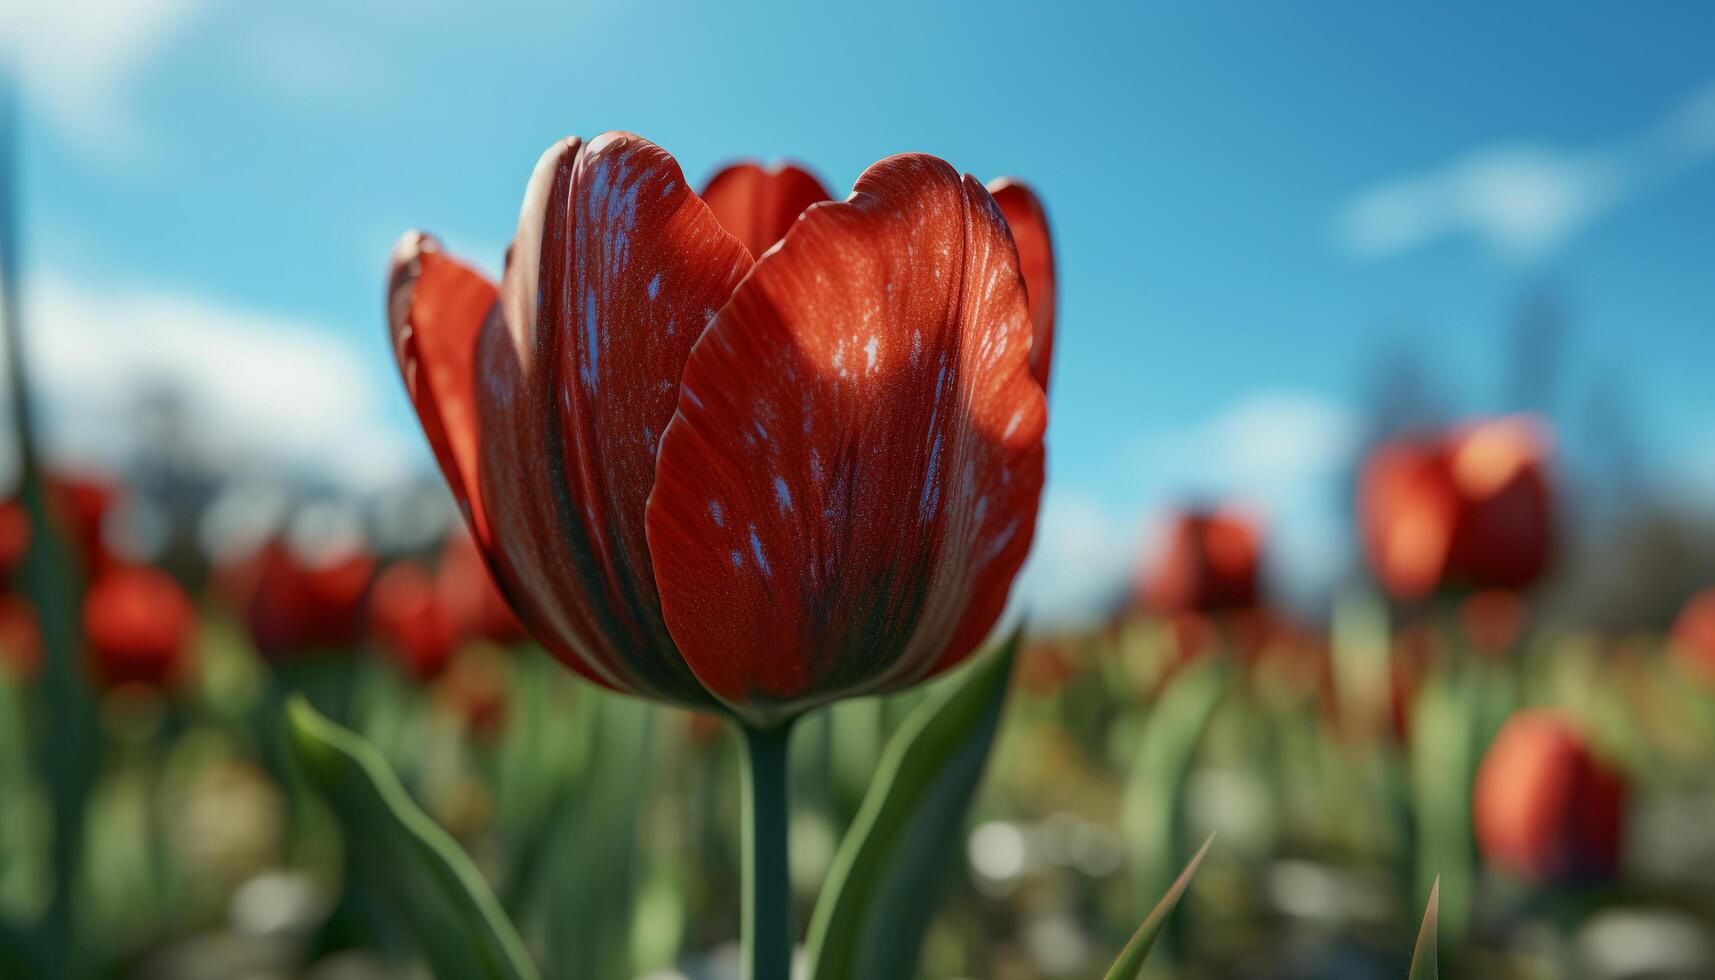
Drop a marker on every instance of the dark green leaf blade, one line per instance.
(1423, 958)
(424, 876)
(880, 893)
(1131, 959)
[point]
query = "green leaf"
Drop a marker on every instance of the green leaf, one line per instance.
(590, 929)
(409, 860)
(1131, 959)
(1152, 810)
(1423, 958)
(880, 893)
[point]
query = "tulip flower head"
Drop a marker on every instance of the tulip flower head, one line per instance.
(297, 603)
(81, 504)
(138, 623)
(1473, 508)
(411, 621)
(740, 453)
(1208, 562)
(14, 542)
(1546, 808)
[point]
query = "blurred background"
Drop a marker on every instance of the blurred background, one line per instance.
(1332, 280)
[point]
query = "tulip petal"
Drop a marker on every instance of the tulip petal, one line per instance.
(1029, 223)
(436, 307)
(852, 479)
(757, 206)
(616, 269)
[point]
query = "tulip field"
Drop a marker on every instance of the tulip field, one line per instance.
(698, 647)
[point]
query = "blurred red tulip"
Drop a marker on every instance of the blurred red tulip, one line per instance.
(139, 624)
(79, 504)
(1545, 808)
(82, 503)
(468, 590)
(1506, 523)
(296, 605)
(411, 621)
(1474, 509)
(709, 478)
(14, 542)
(1207, 563)
(1693, 638)
(1407, 510)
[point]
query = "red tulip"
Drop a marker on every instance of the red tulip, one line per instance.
(14, 542)
(139, 623)
(1028, 220)
(1506, 525)
(1693, 638)
(1407, 510)
(82, 503)
(1207, 563)
(469, 592)
(1470, 509)
(79, 505)
(757, 206)
(296, 604)
(1546, 809)
(711, 478)
(411, 620)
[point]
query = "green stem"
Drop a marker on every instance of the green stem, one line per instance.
(69, 750)
(768, 928)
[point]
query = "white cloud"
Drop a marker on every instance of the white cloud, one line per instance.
(1523, 201)
(1691, 479)
(77, 56)
(1078, 566)
(256, 390)
(1263, 446)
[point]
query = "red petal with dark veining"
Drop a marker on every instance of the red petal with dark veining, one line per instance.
(757, 206)
(1029, 223)
(616, 270)
(436, 307)
(852, 479)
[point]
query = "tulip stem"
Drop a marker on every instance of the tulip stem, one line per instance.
(768, 930)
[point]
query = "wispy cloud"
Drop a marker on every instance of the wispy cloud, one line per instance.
(258, 391)
(1078, 566)
(1264, 445)
(76, 58)
(1525, 201)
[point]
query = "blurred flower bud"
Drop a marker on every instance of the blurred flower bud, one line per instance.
(412, 623)
(138, 623)
(1546, 809)
(1207, 563)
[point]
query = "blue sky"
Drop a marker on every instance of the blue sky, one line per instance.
(1252, 206)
